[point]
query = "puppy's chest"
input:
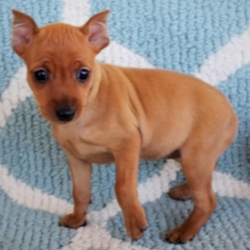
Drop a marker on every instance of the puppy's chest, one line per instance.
(92, 153)
(83, 143)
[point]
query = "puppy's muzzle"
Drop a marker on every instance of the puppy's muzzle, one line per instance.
(65, 114)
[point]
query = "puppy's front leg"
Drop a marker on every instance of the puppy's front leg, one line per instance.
(81, 176)
(127, 161)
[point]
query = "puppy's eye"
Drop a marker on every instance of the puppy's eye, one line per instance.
(82, 75)
(41, 76)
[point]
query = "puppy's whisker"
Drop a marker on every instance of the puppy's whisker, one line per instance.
(85, 106)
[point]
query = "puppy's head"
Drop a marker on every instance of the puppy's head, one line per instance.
(60, 62)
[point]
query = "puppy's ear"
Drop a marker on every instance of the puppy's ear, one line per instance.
(96, 31)
(23, 30)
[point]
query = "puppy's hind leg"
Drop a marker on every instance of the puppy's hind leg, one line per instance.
(181, 192)
(198, 168)
(198, 159)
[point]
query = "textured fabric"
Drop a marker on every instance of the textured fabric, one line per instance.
(209, 39)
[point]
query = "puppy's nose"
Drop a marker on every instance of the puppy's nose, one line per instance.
(65, 114)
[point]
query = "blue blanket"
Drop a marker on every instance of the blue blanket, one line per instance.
(209, 39)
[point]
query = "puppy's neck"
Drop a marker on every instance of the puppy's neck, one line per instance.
(97, 78)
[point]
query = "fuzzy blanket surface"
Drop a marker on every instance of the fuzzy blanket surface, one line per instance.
(207, 38)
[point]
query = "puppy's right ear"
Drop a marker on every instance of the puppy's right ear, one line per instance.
(23, 30)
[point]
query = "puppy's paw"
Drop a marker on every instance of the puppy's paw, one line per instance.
(180, 235)
(181, 192)
(136, 224)
(73, 221)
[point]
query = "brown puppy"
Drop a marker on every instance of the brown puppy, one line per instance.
(102, 113)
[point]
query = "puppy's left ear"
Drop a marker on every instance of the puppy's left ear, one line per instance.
(24, 29)
(96, 31)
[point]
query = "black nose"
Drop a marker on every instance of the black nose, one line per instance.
(65, 114)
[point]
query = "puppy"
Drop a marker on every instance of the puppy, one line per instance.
(102, 113)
